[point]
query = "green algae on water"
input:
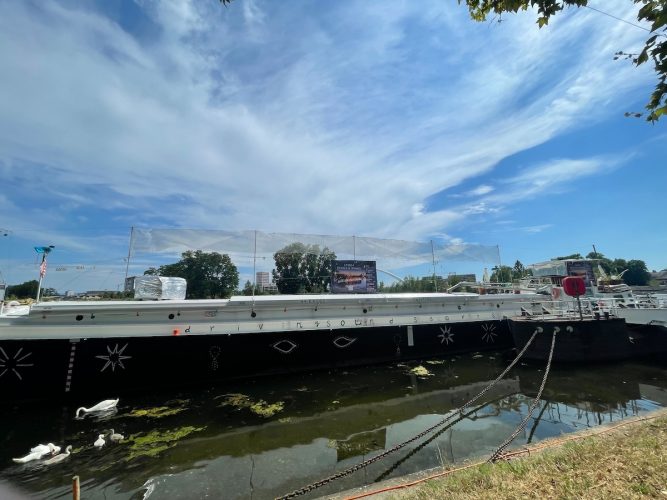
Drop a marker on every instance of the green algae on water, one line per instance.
(155, 442)
(155, 412)
(421, 371)
(260, 407)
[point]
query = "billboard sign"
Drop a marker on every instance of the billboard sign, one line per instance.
(354, 276)
(583, 269)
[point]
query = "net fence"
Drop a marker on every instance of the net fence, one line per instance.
(390, 253)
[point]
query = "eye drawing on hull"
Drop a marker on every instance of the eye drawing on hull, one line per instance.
(284, 346)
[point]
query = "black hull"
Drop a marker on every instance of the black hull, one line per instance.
(579, 341)
(112, 366)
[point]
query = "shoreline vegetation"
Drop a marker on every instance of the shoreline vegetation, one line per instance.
(627, 459)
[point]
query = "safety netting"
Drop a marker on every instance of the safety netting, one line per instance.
(259, 244)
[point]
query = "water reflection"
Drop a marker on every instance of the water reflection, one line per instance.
(266, 437)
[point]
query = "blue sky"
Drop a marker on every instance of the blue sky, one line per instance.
(393, 119)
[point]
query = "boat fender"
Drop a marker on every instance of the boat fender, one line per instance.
(176, 332)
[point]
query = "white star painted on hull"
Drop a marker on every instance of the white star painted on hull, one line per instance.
(489, 333)
(10, 364)
(114, 357)
(446, 336)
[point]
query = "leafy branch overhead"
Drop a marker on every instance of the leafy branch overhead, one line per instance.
(655, 47)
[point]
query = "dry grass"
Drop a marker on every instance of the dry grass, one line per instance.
(628, 462)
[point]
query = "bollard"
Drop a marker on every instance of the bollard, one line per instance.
(76, 488)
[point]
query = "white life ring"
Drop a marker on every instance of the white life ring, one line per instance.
(555, 293)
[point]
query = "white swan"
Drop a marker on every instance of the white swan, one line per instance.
(107, 404)
(35, 455)
(38, 452)
(59, 458)
(100, 441)
(116, 438)
(45, 448)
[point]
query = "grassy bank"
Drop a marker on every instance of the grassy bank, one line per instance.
(625, 461)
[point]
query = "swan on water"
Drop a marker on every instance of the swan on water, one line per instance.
(38, 452)
(100, 441)
(35, 455)
(46, 448)
(107, 404)
(59, 458)
(116, 438)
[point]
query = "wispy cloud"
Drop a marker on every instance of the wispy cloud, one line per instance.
(335, 119)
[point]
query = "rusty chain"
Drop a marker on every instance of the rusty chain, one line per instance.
(498, 454)
(443, 421)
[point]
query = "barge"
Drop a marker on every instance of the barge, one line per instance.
(57, 349)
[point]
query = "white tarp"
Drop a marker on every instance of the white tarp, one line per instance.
(157, 287)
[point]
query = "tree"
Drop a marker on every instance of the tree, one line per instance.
(209, 275)
(519, 271)
(303, 268)
(501, 274)
(26, 290)
(566, 257)
(655, 47)
(637, 274)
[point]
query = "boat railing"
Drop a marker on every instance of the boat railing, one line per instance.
(586, 307)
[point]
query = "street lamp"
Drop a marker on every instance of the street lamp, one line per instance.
(42, 267)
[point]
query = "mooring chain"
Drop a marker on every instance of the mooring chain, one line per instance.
(502, 375)
(444, 420)
(498, 453)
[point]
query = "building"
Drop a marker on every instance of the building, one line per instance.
(263, 278)
(264, 282)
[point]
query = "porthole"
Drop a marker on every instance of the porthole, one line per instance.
(79, 317)
(171, 316)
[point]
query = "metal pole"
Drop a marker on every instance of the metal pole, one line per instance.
(354, 248)
(42, 268)
(435, 282)
(254, 267)
(129, 252)
(39, 285)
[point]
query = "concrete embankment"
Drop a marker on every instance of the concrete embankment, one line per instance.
(626, 459)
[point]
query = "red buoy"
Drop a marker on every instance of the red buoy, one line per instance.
(574, 286)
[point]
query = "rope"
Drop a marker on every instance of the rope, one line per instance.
(443, 421)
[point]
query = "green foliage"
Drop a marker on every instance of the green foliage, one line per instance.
(501, 274)
(303, 268)
(566, 257)
(26, 290)
(247, 289)
(637, 274)
(209, 275)
(412, 284)
(655, 47)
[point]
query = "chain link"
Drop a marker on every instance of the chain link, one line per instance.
(498, 453)
(443, 421)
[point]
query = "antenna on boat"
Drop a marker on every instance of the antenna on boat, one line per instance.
(42, 267)
(254, 275)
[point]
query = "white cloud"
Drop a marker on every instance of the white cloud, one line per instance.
(263, 116)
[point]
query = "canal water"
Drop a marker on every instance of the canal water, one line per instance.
(263, 438)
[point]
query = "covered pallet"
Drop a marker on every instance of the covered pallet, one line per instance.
(156, 287)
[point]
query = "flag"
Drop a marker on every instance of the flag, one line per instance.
(42, 269)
